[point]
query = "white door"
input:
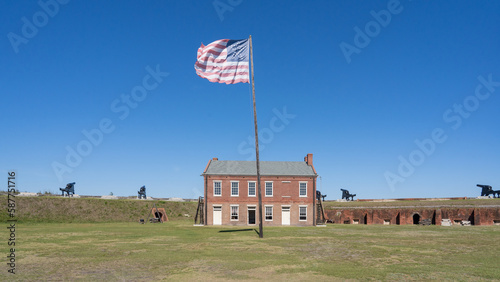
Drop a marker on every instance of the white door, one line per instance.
(217, 214)
(285, 215)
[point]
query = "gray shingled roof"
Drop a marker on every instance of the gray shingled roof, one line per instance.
(266, 168)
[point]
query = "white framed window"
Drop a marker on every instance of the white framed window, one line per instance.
(302, 189)
(235, 212)
(269, 213)
(217, 188)
(235, 188)
(302, 213)
(251, 188)
(269, 189)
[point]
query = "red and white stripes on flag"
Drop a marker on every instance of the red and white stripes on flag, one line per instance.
(224, 61)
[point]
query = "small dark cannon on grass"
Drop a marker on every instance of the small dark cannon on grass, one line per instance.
(319, 196)
(346, 195)
(70, 188)
(487, 190)
(141, 193)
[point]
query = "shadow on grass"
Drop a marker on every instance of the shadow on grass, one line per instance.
(239, 230)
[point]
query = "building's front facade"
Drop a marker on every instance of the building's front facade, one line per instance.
(288, 192)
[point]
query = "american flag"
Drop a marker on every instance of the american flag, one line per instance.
(224, 61)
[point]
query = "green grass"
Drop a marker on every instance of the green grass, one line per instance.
(56, 209)
(176, 250)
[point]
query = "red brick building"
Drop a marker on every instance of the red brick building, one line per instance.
(288, 192)
(486, 215)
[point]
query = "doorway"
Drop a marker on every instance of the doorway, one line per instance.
(251, 215)
(158, 215)
(285, 215)
(416, 218)
(217, 215)
(471, 218)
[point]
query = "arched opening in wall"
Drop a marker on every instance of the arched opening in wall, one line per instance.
(159, 213)
(471, 218)
(434, 218)
(398, 219)
(365, 219)
(416, 218)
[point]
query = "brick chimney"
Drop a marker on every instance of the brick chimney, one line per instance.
(215, 159)
(309, 159)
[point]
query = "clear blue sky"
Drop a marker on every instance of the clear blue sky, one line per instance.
(357, 93)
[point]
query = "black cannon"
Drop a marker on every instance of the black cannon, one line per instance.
(141, 193)
(487, 190)
(346, 195)
(70, 188)
(319, 196)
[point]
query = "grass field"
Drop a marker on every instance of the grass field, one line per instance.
(56, 209)
(177, 250)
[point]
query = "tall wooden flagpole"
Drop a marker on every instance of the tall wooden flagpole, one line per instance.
(261, 231)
